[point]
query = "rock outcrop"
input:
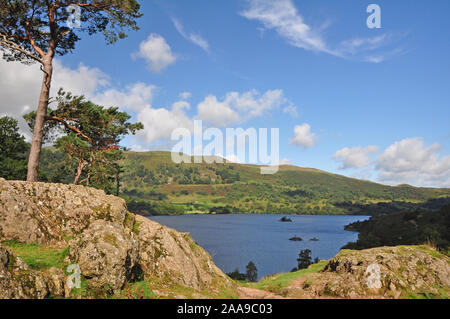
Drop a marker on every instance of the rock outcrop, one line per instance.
(106, 253)
(110, 245)
(17, 281)
(49, 214)
(385, 272)
(166, 253)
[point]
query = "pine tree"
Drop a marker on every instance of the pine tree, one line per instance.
(304, 259)
(91, 138)
(252, 272)
(35, 31)
(13, 148)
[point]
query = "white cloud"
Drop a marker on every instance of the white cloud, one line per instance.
(410, 161)
(194, 38)
(159, 123)
(216, 113)
(20, 86)
(355, 157)
(185, 95)
(239, 107)
(291, 110)
(303, 136)
(156, 52)
(135, 97)
(283, 17)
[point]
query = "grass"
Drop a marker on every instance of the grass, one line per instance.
(37, 256)
(138, 290)
(278, 282)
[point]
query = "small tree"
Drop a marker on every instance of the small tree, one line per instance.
(34, 31)
(304, 259)
(91, 138)
(13, 148)
(236, 275)
(252, 272)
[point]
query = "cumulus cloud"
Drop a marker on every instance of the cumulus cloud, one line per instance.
(134, 97)
(283, 17)
(159, 123)
(303, 136)
(410, 161)
(239, 107)
(20, 86)
(193, 37)
(156, 52)
(355, 157)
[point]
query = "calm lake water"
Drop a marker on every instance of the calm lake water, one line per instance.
(234, 240)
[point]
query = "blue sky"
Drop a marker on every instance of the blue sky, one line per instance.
(369, 103)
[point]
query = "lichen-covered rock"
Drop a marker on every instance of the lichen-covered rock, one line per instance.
(109, 244)
(388, 272)
(51, 213)
(107, 254)
(171, 255)
(17, 281)
(56, 279)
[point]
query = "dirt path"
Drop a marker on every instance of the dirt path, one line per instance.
(251, 293)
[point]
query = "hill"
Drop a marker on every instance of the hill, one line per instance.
(152, 178)
(152, 185)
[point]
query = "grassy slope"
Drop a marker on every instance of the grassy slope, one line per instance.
(291, 190)
(42, 258)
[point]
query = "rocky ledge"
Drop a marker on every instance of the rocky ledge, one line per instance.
(111, 246)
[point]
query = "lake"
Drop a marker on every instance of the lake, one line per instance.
(234, 240)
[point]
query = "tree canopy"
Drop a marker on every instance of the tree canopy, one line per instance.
(13, 149)
(29, 29)
(304, 259)
(37, 30)
(89, 136)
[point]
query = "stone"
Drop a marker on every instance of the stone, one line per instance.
(107, 254)
(50, 213)
(19, 282)
(166, 253)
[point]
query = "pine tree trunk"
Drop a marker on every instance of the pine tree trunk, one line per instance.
(36, 144)
(79, 171)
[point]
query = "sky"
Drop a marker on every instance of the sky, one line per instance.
(370, 103)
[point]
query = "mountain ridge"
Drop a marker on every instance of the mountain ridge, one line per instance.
(152, 184)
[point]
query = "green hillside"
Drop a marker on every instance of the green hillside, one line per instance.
(153, 184)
